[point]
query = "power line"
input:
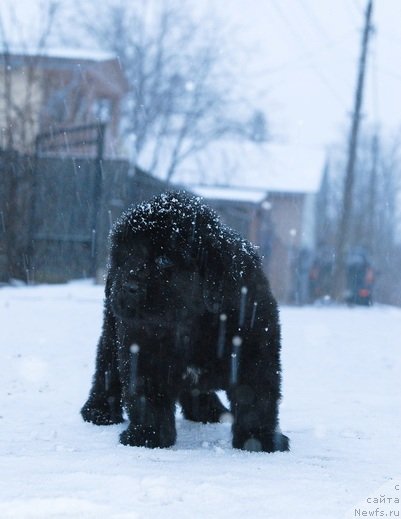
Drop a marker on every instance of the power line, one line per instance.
(314, 20)
(358, 6)
(296, 35)
(388, 72)
(351, 12)
(314, 52)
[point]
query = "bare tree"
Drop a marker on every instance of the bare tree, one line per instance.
(374, 224)
(19, 81)
(19, 77)
(182, 89)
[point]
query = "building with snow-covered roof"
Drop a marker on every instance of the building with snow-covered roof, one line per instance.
(275, 209)
(241, 209)
(58, 88)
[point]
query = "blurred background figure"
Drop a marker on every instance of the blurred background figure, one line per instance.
(360, 278)
(320, 274)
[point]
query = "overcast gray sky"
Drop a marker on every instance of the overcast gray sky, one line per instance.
(300, 57)
(307, 51)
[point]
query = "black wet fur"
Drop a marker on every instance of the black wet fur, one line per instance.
(188, 311)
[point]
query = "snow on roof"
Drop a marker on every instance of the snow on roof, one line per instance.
(229, 193)
(64, 53)
(269, 167)
(85, 54)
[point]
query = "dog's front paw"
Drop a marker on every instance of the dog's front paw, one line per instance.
(146, 436)
(102, 412)
(270, 442)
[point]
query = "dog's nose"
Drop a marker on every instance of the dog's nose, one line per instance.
(131, 287)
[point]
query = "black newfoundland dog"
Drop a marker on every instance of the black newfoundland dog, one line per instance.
(188, 311)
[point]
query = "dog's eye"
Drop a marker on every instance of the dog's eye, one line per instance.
(133, 273)
(164, 262)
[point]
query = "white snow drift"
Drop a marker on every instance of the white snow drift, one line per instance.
(341, 409)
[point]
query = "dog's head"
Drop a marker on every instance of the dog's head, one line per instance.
(172, 258)
(155, 281)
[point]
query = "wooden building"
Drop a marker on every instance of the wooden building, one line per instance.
(42, 92)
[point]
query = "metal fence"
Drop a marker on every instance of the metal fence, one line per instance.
(57, 207)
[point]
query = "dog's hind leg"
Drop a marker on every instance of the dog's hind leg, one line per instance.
(202, 407)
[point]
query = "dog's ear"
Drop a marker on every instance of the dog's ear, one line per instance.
(109, 282)
(212, 269)
(224, 267)
(119, 251)
(213, 293)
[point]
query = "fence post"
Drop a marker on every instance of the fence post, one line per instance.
(97, 199)
(32, 210)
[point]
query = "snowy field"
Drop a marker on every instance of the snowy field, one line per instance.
(341, 409)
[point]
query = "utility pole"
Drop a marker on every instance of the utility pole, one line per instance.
(372, 195)
(346, 207)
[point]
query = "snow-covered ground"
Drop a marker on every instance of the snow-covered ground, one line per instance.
(341, 409)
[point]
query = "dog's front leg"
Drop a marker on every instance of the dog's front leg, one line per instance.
(147, 400)
(103, 406)
(152, 421)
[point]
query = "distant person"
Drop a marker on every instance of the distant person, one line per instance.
(321, 273)
(301, 270)
(360, 278)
